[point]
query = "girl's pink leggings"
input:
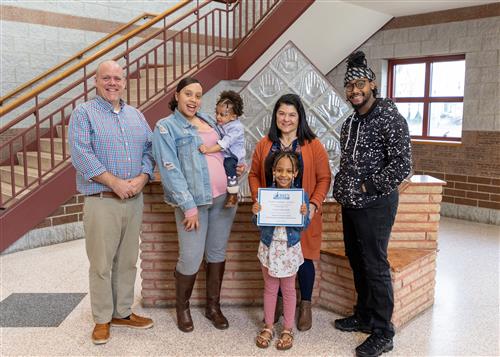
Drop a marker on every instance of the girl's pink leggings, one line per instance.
(271, 286)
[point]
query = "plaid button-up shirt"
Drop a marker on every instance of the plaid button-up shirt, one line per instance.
(103, 140)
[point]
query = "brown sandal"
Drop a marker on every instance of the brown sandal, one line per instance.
(285, 342)
(264, 338)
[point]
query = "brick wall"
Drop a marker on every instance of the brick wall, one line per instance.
(413, 273)
(71, 211)
(472, 168)
(416, 226)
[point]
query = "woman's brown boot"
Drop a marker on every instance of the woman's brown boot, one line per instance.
(183, 289)
(215, 273)
(305, 316)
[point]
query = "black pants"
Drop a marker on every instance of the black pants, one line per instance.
(366, 237)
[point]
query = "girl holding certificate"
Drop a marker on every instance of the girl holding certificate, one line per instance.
(290, 132)
(280, 255)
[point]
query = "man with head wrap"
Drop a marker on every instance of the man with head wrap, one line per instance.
(376, 158)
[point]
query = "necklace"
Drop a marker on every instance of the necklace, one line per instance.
(286, 147)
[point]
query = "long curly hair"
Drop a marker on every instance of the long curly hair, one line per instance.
(230, 97)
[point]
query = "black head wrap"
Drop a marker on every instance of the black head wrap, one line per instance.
(357, 68)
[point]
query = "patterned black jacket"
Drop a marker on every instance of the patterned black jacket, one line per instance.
(376, 151)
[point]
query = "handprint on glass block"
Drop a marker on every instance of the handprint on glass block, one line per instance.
(267, 86)
(260, 126)
(289, 62)
(250, 143)
(331, 108)
(251, 107)
(316, 126)
(332, 147)
(310, 86)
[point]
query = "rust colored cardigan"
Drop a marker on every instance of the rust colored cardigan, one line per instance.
(316, 181)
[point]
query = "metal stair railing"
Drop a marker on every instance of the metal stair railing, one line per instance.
(154, 62)
(76, 57)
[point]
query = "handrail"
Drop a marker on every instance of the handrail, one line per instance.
(78, 55)
(158, 56)
(33, 93)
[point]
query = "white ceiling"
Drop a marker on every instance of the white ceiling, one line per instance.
(412, 7)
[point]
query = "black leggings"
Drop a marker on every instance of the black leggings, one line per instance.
(306, 276)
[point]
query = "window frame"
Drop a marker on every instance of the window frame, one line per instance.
(427, 100)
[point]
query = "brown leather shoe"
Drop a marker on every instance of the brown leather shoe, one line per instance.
(100, 335)
(305, 316)
(134, 321)
(231, 200)
(215, 273)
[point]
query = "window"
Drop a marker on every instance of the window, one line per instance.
(429, 93)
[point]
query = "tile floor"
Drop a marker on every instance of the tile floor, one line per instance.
(464, 320)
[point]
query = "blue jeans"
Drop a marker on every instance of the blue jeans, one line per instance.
(210, 239)
(230, 164)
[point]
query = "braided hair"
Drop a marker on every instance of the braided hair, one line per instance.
(276, 157)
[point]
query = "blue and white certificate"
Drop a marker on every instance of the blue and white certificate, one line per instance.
(280, 207)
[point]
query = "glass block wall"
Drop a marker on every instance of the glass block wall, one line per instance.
(291, 72)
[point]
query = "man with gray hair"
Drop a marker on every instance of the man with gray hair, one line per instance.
(375, 159)
(111, 150)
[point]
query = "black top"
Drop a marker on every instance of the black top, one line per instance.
(376, 151)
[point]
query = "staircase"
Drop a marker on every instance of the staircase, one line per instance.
(40, 165)
(36, 174)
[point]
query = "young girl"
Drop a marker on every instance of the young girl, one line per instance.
(227, 110)
(280, 255)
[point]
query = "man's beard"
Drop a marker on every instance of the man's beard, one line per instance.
(360, 105)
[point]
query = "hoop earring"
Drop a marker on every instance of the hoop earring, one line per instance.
(274, 181)
(293, 181)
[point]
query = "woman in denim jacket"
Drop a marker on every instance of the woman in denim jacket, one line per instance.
(195, 184)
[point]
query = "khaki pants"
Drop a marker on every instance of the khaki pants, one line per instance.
(112, 229)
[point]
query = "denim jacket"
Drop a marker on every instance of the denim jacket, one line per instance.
(293, 233)
(183, 168)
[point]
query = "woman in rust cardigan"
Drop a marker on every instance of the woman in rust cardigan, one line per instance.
(289, 131)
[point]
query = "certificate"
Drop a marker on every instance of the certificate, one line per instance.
(280, 207)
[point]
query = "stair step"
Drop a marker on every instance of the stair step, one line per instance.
(7, 191)
(59, 131)
(32, 159)
(133, 101)
(161, 71)
(159, 75)
(6, 177)
(58, 147)
(133, 95)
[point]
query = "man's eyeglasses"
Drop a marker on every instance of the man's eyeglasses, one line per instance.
(360, 84)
